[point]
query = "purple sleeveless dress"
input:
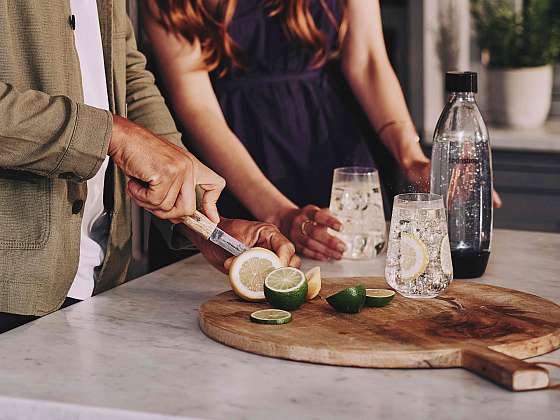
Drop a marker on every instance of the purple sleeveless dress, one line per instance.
(296, 122)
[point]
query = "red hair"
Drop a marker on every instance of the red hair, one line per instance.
(195, 21)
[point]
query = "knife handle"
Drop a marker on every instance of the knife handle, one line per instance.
(201, 224)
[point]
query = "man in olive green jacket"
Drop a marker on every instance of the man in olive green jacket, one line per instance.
(51, 143)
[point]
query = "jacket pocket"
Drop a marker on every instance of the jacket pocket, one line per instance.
(25, 207)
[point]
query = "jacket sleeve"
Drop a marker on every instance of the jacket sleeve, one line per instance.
(147, 108)
(51, 135)
(146, 105)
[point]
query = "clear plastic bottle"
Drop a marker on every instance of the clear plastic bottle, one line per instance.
(462, 174)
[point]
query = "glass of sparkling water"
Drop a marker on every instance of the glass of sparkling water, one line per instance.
(356, 201)
(418, 256)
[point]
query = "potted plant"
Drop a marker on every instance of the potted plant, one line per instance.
(520, 41)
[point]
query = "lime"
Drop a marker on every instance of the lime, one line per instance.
(248, 271)
(445, 256)
(285, 288)
(350, 300)
(271, 316)
(375, 298)
(414, 256)
(313, 282)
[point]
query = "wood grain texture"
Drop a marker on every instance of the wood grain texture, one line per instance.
(472, 325)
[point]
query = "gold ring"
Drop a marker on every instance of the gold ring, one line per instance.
(304, 225)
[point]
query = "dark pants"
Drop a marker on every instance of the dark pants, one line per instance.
(11, 321)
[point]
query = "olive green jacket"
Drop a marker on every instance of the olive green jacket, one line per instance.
(51, 143)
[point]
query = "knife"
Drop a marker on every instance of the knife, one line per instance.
(209, 230)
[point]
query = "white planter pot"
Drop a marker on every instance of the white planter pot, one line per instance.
(520, 97)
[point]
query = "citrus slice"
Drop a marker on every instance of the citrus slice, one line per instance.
(285, 288)
(271, 316)
(414, 256)
(313, 282)
(445, 256)
(248, 271)
(376, 298)
(350, 300)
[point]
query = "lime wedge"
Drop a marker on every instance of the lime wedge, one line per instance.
(376, 298)
(271, 316)
(285, 288)
(350, 300)
(414, 256)
(445, 256)
(248, 272)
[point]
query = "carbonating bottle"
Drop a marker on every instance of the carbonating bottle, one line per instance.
(462, 173)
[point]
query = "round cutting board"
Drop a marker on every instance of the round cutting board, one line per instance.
(483, 328)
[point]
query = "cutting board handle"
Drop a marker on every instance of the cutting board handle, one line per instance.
(201, 224)
(511, 373)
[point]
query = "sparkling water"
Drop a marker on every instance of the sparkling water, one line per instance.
(359, 206)
(422, 225)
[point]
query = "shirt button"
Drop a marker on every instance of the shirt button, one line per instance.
(72, 22)
(77, 206)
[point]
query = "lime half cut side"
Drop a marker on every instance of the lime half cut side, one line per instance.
(376, 298)
(271, 316)
(414, 256)
(285, 288)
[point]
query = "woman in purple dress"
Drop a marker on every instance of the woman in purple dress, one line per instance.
(261, 90)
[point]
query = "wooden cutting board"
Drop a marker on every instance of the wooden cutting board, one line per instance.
(483, 328)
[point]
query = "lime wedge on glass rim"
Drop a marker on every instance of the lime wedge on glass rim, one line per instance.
(271, 316)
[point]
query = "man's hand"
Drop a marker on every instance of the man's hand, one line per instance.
(251, 234)
(164, 175)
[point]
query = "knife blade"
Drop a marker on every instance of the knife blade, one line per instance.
(209, 230)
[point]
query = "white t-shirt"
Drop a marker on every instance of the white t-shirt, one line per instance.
(95, 223)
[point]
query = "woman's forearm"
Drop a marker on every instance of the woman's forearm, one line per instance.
(378, 91)
(221, 149)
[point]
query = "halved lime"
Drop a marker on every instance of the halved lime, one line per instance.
(445, 256)
(414, 256)
(350, 300)
(271, 316)
(285, 288)
(376, 298)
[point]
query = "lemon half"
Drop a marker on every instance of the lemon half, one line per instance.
(249, 270)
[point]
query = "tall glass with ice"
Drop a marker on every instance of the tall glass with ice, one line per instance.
(356, 201)
(418, 255)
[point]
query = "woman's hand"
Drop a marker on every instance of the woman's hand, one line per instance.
(307, 229)
(418, 174)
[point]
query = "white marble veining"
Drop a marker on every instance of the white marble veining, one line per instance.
(136, 352)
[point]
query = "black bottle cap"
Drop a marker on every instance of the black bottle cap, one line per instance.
(461, 81)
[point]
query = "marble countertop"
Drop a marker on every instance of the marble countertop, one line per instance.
(136, 352)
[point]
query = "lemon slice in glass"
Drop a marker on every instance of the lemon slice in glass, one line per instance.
(414, 256)
(445, 256)
(249, 270)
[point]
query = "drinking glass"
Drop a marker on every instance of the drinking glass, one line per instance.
(356, 201)
(418, 256)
